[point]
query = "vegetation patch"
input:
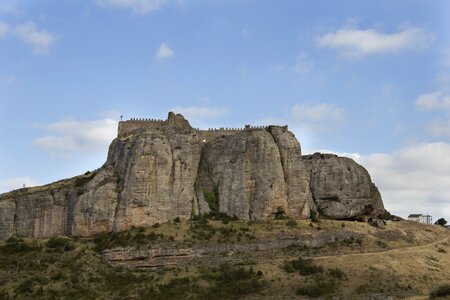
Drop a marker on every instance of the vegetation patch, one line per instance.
(317, 288)
(82, 180)
(212, 198)
(441, 291)
(133, 237)
(303, 266)
(17, 245)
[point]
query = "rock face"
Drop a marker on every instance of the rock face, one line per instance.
(158, 170)
(341, 188)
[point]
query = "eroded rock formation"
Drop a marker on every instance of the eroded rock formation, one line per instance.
(158, 170)
(341, 188)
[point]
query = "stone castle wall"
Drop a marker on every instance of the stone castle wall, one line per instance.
(126, 127)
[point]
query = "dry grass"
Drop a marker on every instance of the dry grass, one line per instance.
(405, 260)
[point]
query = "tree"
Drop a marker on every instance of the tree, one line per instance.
(441, 222)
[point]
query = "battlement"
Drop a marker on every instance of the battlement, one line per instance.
(128, 126)
(146, 120)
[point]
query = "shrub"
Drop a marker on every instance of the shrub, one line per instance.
(291, 223)
(82, 180)
(441, 291)
(16, 245)
(60, 244)
(279, 213)
(212, 198)
(337, 273)
(314, 216)
(230, 282)
(317, 288)
(27, 285)
(304, 267)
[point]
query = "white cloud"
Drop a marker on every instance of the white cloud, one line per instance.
(13, 183)
(440, 128)
(303, 64)
(318, 113)
(70, 135)
(164, 52)
(361, 42)
(414, 179)
(433, 101)
(199, 112)
(40, 40)
(4, 29)
(137, 6)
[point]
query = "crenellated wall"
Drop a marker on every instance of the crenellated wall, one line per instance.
(126, 127)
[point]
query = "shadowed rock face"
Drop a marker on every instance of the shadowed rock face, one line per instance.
(341, 188)
(159, 170)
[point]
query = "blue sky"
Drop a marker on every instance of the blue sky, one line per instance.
(365, 79)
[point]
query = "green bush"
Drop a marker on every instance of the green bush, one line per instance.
(212, 198)
(314, 216)
(228, 282)
(317, 288)
(60, 244)
(279, 214)
(17, 245)
(337, 273)
(291, 223)
(441, 291)
(28, 284)
(304, 267)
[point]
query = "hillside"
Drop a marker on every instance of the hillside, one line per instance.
(229, 259)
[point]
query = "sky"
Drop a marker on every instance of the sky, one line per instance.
(369, 80)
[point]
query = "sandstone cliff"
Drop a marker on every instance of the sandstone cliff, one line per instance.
(341, 188)
(158, 170)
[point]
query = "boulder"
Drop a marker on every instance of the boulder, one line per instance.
(341, 188)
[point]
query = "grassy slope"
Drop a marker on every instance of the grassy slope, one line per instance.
(403, 260)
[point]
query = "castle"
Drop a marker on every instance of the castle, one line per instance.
(134, 124)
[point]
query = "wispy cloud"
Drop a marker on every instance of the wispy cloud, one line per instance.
(433, 101)
(13, 183)
(318, 112)
(199, 112)
(28, 32)
(137, 6)
(440, 128)
(164, 51)
(362, 42)
(40, 40)
(303, 64)
(69, 135)
(4, 29)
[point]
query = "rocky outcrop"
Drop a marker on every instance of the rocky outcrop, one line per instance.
(158, 170)
(256, 172)
(341, 188)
